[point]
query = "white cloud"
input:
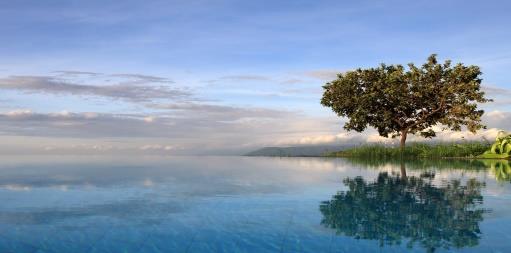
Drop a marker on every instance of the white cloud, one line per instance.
(339, 138)
(323, 74)
(19, 113)
(292, 81)
(495, 90)
(376, 138)
(185, 121)
(498, 119)
(142, 79)
(194, 129)
(501, 96)
(90, 115)
(157, 147)
(76, 73)
(189, 127)
(495, 120)
(102, 147)
(246, 78)
(499, 115)
(141, 89)
(149, 119)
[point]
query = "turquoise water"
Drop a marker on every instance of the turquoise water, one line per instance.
(252, 204)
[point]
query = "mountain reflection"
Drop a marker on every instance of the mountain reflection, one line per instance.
(395, 210)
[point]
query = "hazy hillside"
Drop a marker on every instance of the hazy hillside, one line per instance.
(297, 151)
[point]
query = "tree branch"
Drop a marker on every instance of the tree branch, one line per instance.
(423, 119)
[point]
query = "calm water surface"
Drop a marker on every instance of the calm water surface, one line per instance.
(250, 204)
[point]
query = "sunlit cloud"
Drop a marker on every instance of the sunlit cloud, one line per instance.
(495, 120)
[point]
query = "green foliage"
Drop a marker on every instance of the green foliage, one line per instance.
(501, 148)
(394, 209)
(416, 150)
(501, 169)
(418, 164)
(396, 100)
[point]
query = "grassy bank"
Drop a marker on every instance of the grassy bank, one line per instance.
(416, 150)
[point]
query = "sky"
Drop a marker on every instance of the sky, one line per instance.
(221, 77)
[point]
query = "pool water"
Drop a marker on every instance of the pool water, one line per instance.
(252, 204)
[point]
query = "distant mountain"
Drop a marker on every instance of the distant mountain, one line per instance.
(297, 150)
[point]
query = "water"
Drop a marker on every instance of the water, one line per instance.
(251, 204)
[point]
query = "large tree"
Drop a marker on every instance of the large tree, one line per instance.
(398, 101)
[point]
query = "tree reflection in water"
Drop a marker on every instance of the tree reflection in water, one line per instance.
(411, 209)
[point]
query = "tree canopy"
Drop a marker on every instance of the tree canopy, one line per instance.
(398, 101)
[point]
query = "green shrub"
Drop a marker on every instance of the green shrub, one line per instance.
(501, 148)
(416, 150)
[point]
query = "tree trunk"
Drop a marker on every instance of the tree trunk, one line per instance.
(403, 170)
(404, 133)
(403, 141)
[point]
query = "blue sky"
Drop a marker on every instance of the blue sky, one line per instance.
(240, 68)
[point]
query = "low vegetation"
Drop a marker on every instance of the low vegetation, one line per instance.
(501, 148)
(416, 150)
